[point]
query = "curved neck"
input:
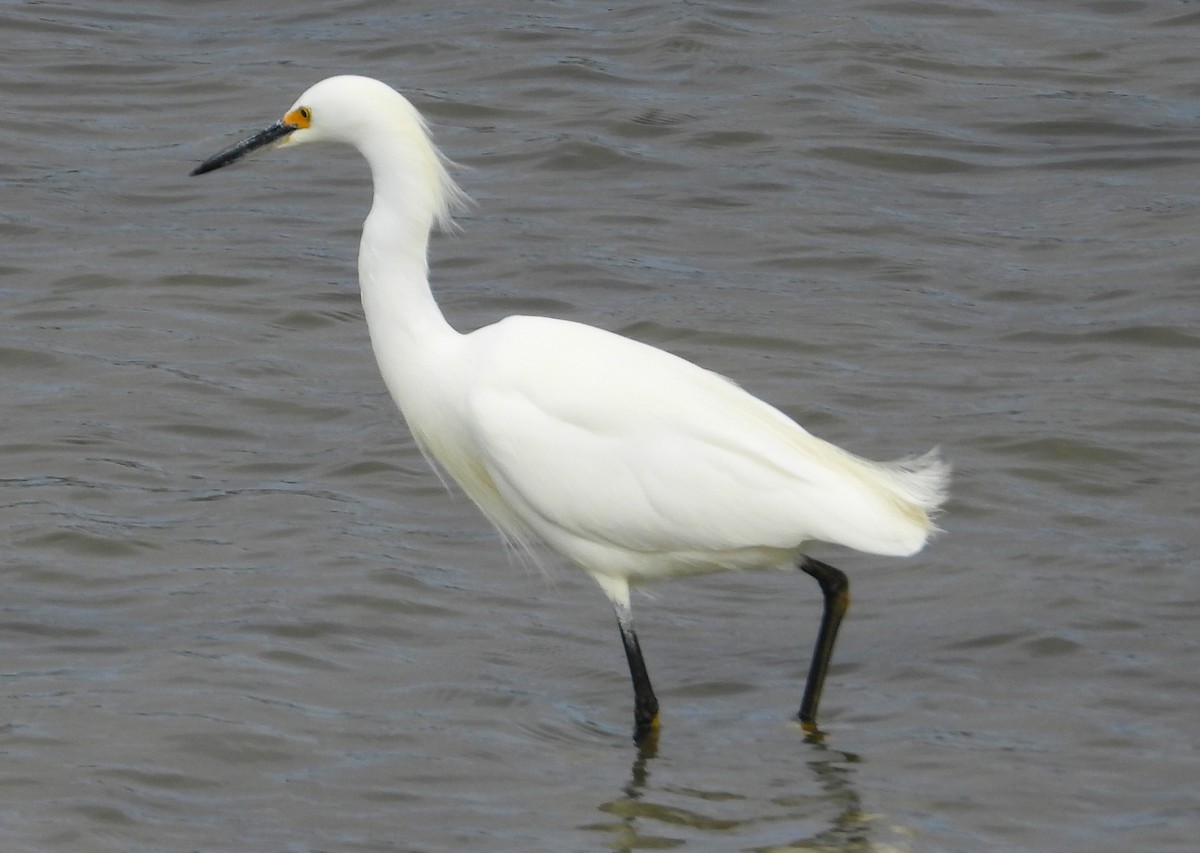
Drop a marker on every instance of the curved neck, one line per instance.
(408, 330)
(393, 274)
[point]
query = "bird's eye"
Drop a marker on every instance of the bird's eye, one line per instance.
(306, 113)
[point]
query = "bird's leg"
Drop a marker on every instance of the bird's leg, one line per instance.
(645, 703)
(835, 586)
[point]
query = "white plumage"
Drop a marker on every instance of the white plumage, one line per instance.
(629, 461)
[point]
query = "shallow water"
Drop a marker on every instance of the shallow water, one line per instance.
(240, 614)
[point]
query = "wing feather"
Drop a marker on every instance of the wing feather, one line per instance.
(617, 443)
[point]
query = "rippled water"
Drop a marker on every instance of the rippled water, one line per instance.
(239, 613)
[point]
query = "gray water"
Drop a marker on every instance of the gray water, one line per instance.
(240, 614)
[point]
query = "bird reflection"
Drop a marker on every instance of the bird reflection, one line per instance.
(650, 817)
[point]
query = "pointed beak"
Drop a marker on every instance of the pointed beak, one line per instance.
(264, 137)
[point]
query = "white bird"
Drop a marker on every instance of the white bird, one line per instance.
(626, 460)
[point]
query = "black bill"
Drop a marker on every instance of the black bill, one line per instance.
(236, 152)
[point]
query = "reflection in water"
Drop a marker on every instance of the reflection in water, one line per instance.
(654, 819)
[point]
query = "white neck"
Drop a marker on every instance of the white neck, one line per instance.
(408, 331)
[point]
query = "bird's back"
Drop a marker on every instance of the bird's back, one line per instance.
(632, 461)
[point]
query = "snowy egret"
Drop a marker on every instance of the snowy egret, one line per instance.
(630, 462)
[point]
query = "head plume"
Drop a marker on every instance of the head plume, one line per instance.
(389, 131)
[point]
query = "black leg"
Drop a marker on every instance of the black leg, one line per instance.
(645, 703)
(835, 587)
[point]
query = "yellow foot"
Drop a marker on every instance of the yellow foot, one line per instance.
(646, 737)
(812, 734)
(643, 729)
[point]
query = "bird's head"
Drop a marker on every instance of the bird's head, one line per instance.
(378, 121)
(338, 109)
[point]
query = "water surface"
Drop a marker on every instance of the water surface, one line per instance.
(240, 614)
